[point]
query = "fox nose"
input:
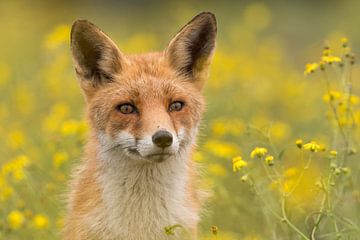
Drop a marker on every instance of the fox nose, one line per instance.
(162, 139)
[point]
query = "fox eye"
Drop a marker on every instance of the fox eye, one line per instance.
(176, 106)
(126, 108)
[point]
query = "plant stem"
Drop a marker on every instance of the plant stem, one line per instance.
(286, 219)
(318, 220)
(333, 108)
(323, 205)
(305, 167)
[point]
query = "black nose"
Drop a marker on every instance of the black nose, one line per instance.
(162, 139)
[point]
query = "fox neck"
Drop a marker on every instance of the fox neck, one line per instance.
(141, 198)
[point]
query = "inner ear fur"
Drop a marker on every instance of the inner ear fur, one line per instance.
(190, 51)
(96, 57)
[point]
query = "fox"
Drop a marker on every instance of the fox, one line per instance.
(136, 175)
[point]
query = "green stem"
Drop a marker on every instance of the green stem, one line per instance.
(333, 108)
(330, 209)
(252, 184)
(289, 223)
(301, 175)
(323, 205)
(348, 89)
(318, 220)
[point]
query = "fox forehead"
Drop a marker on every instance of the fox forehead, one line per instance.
(147, 78)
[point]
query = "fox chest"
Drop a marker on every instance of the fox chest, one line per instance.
(137, 208)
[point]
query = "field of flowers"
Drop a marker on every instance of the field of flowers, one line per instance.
(279, 145)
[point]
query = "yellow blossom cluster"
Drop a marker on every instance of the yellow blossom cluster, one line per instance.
(312, 146)
(238, 163)
(16, 219)
(44, 131)
(328, 58)
(58, 121)
(258, 152)
(15, 168)
(221, 127)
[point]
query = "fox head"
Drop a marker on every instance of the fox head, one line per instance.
(146, 107)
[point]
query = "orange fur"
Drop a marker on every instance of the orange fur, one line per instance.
(121, 165)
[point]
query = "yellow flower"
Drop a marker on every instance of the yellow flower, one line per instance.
(221, 127)
(16, 139)
(83, 129)
(258, 152)
(6, 191)
(310, 68)
(21, 161)
(312, 146)
(326, 52)
(221, 149)
(345, 170)
(299, 143)
(291, 172)
(16, 167)
(330, 59)
(354, 100)
(198, 156)
(69, 127)
(53, 121)
(244, 178)
(288, 185)
(59, 158)
(19, 174)
(333, 153)
(322, 65)
(238, 163)
(269, 160)
(322, 147)
(60, 35)
(344, 41)
(332, 96)
(40, 221)
(214, 230)
(217, 170)
(15, 219)
(274, 184)
(279, 130)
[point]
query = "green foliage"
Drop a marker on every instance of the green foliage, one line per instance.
(257, 97)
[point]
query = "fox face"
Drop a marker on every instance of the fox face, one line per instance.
(146, 107)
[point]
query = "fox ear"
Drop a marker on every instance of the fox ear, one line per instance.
(96, 57)
(190, 51)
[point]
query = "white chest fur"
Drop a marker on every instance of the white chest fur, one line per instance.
(141, 199)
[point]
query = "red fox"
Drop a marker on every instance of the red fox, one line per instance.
(137, 176)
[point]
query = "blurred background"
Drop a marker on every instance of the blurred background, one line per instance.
(257, 82)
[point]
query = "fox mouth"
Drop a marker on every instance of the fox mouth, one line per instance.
(156, 157)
